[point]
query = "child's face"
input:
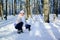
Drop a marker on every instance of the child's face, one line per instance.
(22, 14)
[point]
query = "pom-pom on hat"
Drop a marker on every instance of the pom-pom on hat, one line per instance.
(22, 11)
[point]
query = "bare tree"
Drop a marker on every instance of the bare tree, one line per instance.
(14, 7)
(20, 4)
(37, 5)
(28, 8)
(1, 9)
(6, 10)
(55, 7)
(46, 11)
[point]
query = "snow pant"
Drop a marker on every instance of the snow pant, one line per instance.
(19, 26)
(28, 27)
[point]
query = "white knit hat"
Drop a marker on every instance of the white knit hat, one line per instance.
(22, 11)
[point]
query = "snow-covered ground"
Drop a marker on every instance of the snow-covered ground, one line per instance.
(10, 19)
(39, 30)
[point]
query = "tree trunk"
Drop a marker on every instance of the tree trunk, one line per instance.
(37, 5)
(46, 11)
(56, 7)
(1, 9)
(20, 4)
(6, 11)
(28, 8)
(14, 7)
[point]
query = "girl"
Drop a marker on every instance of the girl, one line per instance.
(20, 21)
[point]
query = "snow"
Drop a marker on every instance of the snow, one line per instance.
(39, 30)
(37, 33)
